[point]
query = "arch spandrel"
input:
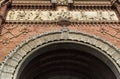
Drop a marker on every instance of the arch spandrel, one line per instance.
(12, 62)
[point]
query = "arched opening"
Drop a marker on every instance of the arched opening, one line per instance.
(87, 57)
(67, 60)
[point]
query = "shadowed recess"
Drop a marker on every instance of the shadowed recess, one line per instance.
(66, 63)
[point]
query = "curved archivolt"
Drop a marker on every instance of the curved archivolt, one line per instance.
(11, 63)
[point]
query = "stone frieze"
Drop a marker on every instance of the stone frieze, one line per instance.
(37, 15)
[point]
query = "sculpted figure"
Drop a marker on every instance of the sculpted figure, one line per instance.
(37, 15)
(11, 15)
(21, 15)
(28, 15)
(83, 16)
(101, 17)
(112, 16)
(51, 15)
(62, 14)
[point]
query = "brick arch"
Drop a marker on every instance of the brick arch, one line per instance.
(11, 63)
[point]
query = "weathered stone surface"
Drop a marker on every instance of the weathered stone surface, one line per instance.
(11, 62)
(22, 52)
(17, 57)
(116, 56)
(6, 76)
(38, 41)
(118, 61)
(111, 51)
(32, 44)
(104, 47)
(8, 69)
(75, 36)
(27, 48)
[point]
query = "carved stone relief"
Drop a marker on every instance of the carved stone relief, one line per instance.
(37, 15)
(62, 2)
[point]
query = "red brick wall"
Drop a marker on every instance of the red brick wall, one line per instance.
(13, 34)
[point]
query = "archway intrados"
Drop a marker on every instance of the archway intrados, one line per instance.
(51, 54)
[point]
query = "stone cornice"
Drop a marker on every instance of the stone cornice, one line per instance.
(43, 3)
(76, 3)
(97, 2)
(31, 3)
(92, 3)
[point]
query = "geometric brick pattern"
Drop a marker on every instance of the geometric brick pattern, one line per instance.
(13, 34)
(12, 62)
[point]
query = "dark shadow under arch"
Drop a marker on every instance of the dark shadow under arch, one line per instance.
(67, 59)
